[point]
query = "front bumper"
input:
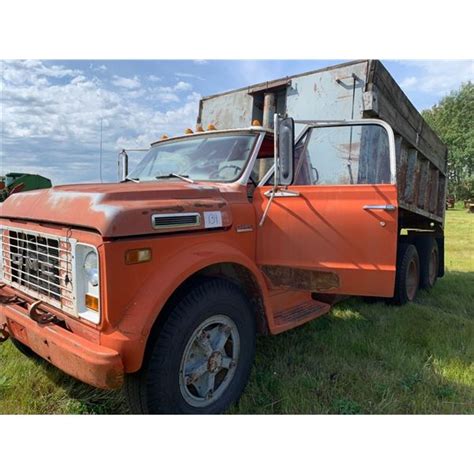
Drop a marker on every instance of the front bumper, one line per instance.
(91, 363)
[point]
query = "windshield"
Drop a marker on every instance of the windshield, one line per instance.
(202, 158)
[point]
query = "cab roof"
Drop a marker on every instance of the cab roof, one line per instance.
(215, 132)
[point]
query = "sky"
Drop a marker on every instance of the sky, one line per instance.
(51, 111)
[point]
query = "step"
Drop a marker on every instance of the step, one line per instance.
(300, 314)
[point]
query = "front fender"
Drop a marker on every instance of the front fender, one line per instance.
(168, 274)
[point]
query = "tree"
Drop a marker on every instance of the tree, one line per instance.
(453, 120)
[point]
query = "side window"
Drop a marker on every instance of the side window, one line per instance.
(346, 154)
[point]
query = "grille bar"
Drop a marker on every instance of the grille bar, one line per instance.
(40, 265)
(49, 291)
(65, 288)
(37, 252)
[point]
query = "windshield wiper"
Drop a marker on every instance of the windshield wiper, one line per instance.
(175, 175)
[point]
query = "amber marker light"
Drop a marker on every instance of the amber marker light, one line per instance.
(164, 137)
(134, 256)
(256, 123)
(188, 131)
(199, 129)
(211, 127)
(92, 302)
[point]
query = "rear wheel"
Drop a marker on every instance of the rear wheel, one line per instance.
(201, 359)
(408, 274)
(429, 261)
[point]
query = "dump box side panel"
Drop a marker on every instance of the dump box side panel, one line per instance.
(421, 155)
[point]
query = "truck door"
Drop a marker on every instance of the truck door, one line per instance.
(334, 230)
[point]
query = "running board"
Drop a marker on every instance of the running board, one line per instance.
(299, 314)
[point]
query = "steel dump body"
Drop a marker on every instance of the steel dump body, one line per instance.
(355, 90)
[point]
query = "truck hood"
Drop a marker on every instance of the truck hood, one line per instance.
(119, 209)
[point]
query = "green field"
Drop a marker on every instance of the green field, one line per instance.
(360, 358)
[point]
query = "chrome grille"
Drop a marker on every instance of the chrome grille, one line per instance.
(40, 265)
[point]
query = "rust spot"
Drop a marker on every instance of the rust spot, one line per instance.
(300, 279)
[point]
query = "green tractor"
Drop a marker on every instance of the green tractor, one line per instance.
(18, 182)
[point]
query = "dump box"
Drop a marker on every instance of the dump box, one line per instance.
(354, 90)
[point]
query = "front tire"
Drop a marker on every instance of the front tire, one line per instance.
(201, 358)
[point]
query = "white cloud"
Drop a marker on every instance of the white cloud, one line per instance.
(53, 126)
(154, 78)
(408, 82)
(167, 94)
(126, 82)
(166, 97)
(183, 86)
(100, 68)
(188, 75)
(34, 72)
(437, 77)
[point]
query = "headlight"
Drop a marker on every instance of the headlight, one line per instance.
(87, 288)
(91, 268)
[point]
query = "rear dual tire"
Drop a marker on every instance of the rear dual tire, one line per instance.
(429, 261)
(407, 279)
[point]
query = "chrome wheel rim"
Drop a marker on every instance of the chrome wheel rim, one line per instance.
(209, 361)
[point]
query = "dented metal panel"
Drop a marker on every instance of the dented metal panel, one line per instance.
(329, 95)
(227, 111)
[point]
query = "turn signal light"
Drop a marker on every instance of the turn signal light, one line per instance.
(92, 302)
(134, 256)
(211, 127)
(188, 131)
(256, 123)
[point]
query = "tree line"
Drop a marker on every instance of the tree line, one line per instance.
(453, 120)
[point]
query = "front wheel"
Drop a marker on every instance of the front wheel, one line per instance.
(200, 361)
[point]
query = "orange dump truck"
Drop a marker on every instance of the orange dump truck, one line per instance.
(161, 282)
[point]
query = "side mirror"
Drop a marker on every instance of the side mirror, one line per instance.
(286, 140)
(122, 165)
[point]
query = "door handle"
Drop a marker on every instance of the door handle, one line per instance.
(383, 207)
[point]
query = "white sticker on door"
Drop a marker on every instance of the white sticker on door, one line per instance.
(212, 219)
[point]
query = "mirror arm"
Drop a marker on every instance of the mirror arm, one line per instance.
(275, 169)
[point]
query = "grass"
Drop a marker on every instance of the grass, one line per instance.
(360, 358)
